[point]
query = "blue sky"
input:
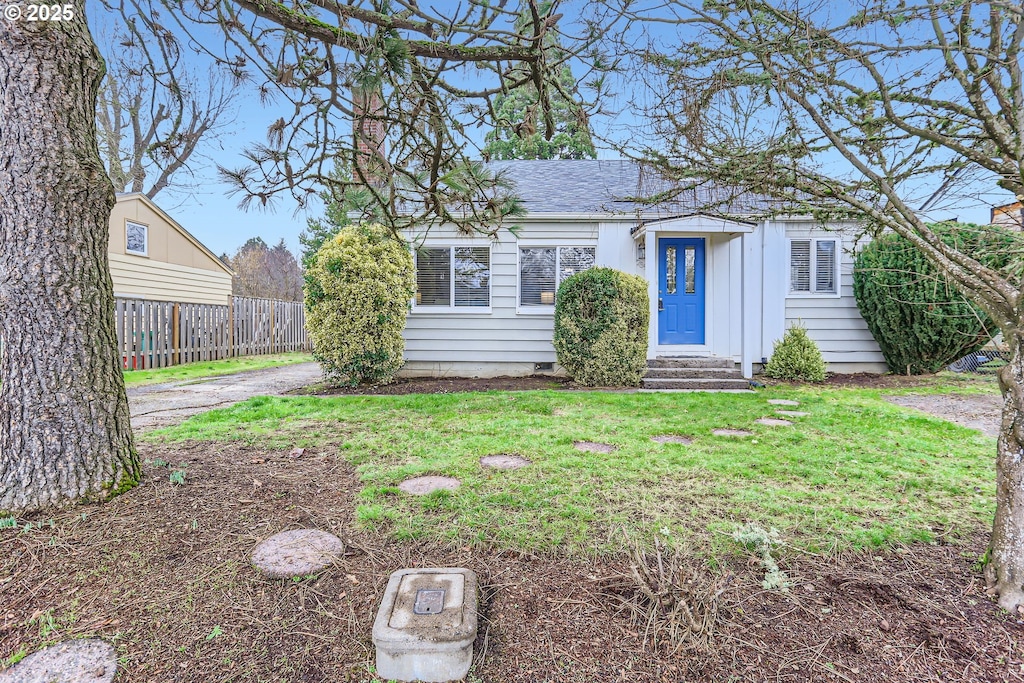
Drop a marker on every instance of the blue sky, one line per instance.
(214, 217)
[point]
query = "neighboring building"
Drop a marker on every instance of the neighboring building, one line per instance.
(718, 288)
(152, 257)
(1009, 216)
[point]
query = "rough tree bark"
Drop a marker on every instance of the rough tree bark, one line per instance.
(1005, 570)
(65, 435)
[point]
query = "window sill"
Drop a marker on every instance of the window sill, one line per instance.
(814, 295)
(535, 310)
(449, 310)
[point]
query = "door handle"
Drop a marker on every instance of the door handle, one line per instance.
(661, 304)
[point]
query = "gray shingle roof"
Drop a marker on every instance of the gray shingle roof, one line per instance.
(613, 186)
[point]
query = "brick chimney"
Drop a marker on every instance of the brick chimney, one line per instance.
(368, 135)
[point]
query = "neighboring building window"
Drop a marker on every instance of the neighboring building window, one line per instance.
(453, 276)
(136, 239)
(813, 266)
(542, 269)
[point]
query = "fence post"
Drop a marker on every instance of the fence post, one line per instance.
(273, 337)
(176, 335)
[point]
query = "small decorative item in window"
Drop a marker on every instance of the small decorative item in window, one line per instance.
(547, 298)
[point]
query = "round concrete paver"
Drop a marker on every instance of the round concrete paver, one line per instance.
(299, 552)
(731, 432)
(773, 422)
(783, 402)
(74, 661)
(421, 486)
(593, 447)
(672, 438)
(504, 461)
(792, 413)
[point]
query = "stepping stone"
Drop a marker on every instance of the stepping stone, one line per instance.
(773, 422)
(299, 552)
(593, 447)
(672, 438)
(504, 461)
(731, 432)
(783, 402)
(792, 413)
(74, 661)
(421, 486)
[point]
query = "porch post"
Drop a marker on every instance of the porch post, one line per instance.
(753, 264)
(651, 273)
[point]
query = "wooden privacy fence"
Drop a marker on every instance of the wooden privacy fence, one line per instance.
(156, 334)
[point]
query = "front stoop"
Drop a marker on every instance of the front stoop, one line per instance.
(693, 374)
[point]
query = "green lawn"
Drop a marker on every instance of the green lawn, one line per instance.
(858, 472)
(229, 366)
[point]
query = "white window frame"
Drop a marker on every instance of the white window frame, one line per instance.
(543, 309)
(145, 229)
(812, 294)
(471, 310)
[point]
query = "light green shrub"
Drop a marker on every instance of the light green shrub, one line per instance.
(601, 318)
(357, 295)
(797, 357)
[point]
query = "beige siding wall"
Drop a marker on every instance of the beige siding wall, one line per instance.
(166, 243)
(148, 279)
(835, 323)
(464, 342)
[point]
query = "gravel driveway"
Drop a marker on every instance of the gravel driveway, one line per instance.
(977, 411)
(159, 405)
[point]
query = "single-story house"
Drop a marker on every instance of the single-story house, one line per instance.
(153, 257)
(724, 289)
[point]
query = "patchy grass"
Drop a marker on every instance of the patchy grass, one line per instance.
(216, 368)
(858, 472)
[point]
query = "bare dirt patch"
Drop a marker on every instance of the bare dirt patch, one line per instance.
(976, 411)
(162, 572)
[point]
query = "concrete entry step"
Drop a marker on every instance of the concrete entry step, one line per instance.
(690, 362)
(693, 373)
(696, 384)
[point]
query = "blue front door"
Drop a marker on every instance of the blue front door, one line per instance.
(681, 290)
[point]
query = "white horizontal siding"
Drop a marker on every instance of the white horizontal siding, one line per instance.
(148, 279)
(834, 323)
(502, 335)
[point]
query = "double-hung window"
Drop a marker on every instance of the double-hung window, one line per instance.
(453, 277)
(542, 269)
(814, 266)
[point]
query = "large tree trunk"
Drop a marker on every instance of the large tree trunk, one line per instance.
(1005, 569)
(64, 429)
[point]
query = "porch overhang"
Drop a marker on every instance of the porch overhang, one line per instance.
(697, 223)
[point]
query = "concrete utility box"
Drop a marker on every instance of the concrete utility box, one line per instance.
(426, 625)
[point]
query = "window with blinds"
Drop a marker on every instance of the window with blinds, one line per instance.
(453, 277)
(542, 269)
(813, 265)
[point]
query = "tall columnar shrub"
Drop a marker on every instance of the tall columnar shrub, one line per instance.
(919, 319)
(357, 295)
(601, 318)
(796, 356)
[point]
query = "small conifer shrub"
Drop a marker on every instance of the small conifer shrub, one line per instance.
(601, 318)
(357, 294)
(796, 357)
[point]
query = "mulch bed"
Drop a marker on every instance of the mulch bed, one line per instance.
(162, 572)
(450, 385)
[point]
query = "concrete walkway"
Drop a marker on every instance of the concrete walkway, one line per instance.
(160, 405)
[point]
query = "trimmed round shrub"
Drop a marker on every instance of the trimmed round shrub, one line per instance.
(919, 318)
(357, 295)
(601, 318)
(796, 357)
